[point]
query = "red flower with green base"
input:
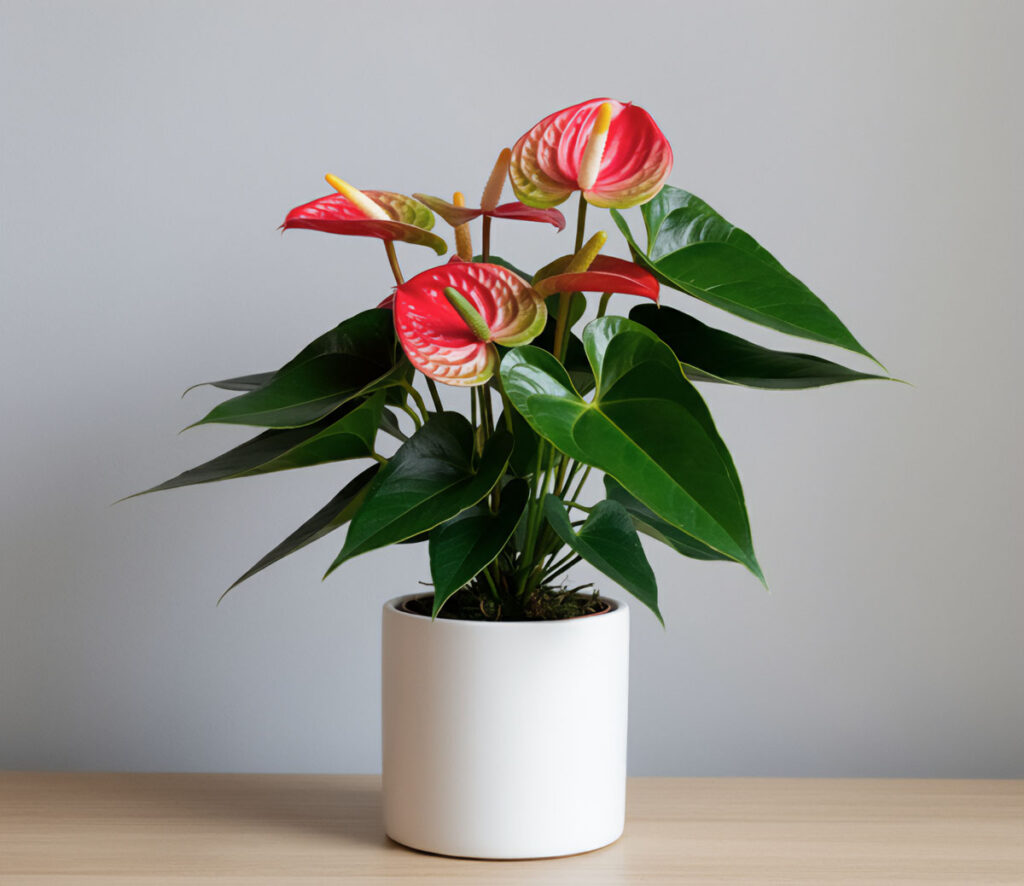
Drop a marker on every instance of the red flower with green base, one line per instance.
(450, 319)
(613, 153)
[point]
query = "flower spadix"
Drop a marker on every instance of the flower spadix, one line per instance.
(457, 214)
(449, 319)
(613, 152)
(381, 214)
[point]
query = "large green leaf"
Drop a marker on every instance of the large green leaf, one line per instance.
(429, 480)
(347, 433)
(357, 357)
(650, 524)
(608, 541)
(709, 354)
(468, 543)
(333, 515)
(647, 426)
(690, 247)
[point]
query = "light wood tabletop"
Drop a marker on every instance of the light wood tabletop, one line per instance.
(102, 828)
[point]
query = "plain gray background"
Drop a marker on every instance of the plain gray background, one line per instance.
(149, 150)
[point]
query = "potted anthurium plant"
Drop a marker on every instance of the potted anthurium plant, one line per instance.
(505, 689)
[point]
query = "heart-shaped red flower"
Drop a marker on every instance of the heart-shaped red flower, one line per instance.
(438, 340)
(613, 152)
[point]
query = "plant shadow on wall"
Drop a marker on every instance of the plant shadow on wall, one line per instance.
(496, 492)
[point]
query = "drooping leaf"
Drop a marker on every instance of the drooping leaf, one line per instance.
(240, 383)
(355, 358)
(710, 354)
(608, 541)
(469, 542)
(649, 523)
(429, 480)
(333, 515)
(389, 425)
(347, 433)
(690, 247)
(647, 427)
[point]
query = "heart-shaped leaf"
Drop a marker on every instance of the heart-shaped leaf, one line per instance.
(347, 433)
(468, 543)
(355, 358)
(608, 541)
(333, 515)
(709, 354)
(410, 220)
(647, 426)
(690, 247)
(429, 480)
(649, 523)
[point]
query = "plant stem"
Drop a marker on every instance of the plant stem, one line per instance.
(389, 248)
(408, 411)
(581, 222)
(603, 304)
(485, 249)
(579, 487)
(572, 562)
(419, 400)
(434, 395)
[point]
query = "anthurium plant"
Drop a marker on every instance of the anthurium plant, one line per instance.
(551, 386)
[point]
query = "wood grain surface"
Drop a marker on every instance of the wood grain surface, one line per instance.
(102, 828)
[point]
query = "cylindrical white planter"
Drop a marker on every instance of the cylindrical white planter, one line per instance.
(505, 739)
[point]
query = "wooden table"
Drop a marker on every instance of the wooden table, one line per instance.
(97, 828)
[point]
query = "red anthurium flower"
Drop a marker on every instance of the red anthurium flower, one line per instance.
(381, 214)
(605, 274)
(450, 318)
(614, 153)
(456, 214)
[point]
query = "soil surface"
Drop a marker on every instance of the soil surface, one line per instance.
(471, 605)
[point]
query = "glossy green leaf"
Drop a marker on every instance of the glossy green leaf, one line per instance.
(575, 359)
(240, 383)
(389, 425)
(429, 480)
(690, 247)
(333, 515)
(347, 433)
(647, 427)
(710, 354)
(608, 541)
(650, 524)
(355, 358)
(468, 543)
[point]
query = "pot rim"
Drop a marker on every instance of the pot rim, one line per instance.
(394, 605)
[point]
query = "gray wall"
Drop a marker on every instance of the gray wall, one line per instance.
(149, 150)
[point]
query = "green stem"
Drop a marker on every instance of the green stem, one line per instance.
(389, 248)
(603, 304)
(579, 487)
(416, 396)
(415, 418)
(581, 223)
(434, 395)
(552, 575)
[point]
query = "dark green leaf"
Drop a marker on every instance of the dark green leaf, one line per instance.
(357, 357)
(333, 515)
(608, 541)
(523, 461)
(690, 247)
(347, 433)
(575, 360)
(241, 383)
(649, 523)
(468, 543)
(709, 354)
(647, 426)
(389, 425)
(428, 481)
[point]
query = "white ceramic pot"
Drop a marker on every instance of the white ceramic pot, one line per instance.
(504, 739)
